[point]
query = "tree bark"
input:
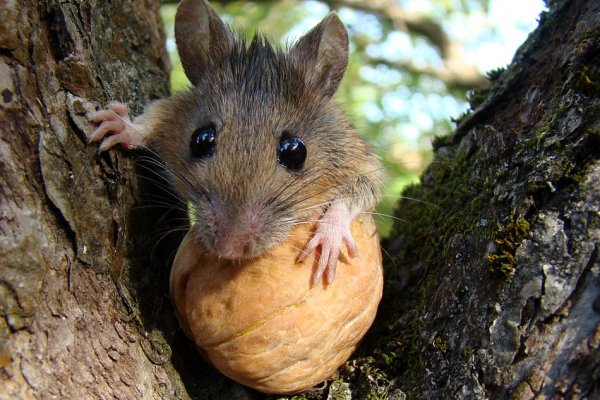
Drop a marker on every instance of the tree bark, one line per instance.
(494, 287)
(493, 284)
(70, 327)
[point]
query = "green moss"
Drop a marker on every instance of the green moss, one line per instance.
(477, 97)
(588, 79)
(495, 74)
(442, 141)
(375, 377)
(501, 262)
(468, 352)
(589, 34)
(585, 68)
(452, 202)
(457, 121)
(440, 344)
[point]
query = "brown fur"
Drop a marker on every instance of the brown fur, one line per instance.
(252, 94)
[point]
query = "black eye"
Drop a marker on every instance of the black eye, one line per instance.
(203, 142)
(291, 152)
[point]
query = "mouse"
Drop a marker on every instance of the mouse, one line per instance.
(256, 145)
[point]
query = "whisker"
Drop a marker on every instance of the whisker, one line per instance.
(388, 255)
(164, 235)
(378, 214)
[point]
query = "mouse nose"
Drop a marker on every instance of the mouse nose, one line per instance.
(232, 246)
(235, 237)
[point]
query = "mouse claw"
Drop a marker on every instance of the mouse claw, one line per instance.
(333, 230)
(115, 127)
(120, 109)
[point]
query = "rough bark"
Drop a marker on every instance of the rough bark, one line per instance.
(493, 284)
(68, 329)
(494, 287)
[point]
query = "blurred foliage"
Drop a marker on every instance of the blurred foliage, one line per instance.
(398, 111)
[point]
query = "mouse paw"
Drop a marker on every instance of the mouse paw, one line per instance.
(333, 230)
(115, 127)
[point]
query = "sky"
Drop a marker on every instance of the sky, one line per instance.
(513, 21)
(490, 39)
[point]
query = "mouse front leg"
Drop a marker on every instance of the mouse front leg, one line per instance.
(333, 230)
(115, 127)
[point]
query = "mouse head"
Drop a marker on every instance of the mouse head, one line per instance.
(203, 40)
(255, 145)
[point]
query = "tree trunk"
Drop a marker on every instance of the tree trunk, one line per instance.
(494, 287)
(70, 326)
(493, 284)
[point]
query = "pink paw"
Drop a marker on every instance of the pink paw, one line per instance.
(333, 230)
(115, 127)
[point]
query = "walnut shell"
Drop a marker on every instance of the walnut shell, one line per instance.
(262, 324)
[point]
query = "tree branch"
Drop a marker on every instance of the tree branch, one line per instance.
(466, 78)
(456, 71)
(402, 20)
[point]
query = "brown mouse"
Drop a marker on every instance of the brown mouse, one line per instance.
(257, 145)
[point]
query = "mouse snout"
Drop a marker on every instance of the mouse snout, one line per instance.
(236, 235)
(232, 246)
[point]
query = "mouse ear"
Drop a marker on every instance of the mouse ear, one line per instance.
(323, 55)
(201, 37)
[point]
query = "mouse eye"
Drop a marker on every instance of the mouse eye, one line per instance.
(203, 142)
(291, 152)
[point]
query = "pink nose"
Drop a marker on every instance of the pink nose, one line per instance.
(236, 232)
(232, 247)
